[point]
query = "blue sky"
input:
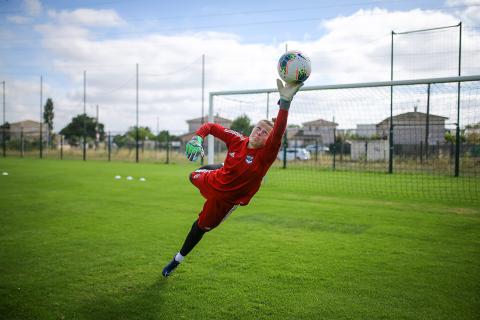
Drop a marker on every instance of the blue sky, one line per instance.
(256, 21)
(348, 41)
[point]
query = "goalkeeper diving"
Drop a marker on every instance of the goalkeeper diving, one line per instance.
(233, 183)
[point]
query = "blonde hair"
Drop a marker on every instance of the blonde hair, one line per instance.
(267, 122)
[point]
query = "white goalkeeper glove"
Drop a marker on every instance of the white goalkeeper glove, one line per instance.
(289, 90)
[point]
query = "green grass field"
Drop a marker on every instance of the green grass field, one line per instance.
(78, 244)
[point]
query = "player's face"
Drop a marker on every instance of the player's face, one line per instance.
(259, 134)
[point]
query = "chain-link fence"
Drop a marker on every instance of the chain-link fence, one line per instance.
(115, 146)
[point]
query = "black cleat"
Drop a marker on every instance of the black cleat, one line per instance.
(169, 268)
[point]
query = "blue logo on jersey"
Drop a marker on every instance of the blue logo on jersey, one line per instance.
(249, 159)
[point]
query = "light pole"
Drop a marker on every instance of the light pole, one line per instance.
(136, 127)
(84, 115)
(41, 114)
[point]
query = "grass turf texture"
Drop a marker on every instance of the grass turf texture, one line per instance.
(76, 243)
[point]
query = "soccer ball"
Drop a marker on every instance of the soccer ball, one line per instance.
(294, 66)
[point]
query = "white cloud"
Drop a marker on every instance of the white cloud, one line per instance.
(470, 16)
(87, 17)
(357, 47)
(468, 11)
(26, 105)
(19, 19)
(62, 35)
(453, 3)
(170, 72)
(33, 7)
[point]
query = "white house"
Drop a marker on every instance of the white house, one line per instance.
(366, 130)
(196, 123)
(30, 130)
(317, 131)
(410, 128)
(370, 150)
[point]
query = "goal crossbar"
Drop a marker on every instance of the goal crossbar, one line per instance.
(358, 85)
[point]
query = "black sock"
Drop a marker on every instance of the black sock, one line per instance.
(193, 237)
(212, 166)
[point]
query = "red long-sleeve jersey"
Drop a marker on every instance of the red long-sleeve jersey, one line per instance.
(240, 177)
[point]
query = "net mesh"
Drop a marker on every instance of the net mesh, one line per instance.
(338, 140)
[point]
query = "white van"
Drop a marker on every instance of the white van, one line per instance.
(295, 154)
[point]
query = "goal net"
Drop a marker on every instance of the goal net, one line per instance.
(394, 138)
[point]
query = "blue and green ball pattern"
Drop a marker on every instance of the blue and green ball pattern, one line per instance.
(294, 66)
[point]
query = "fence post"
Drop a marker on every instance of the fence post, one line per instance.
(41, 114)
(390, 138)
(168, 148)
(109, 146)
(61, 147)
(285, 145)
(427, 129)
(4, 143)
(295, 152)
(421, 152)
(457, 144)
(341, 149)
(316, 150)
(21, 142)
(366, 150)
(457, 136)
(41, 142)
(334, 146)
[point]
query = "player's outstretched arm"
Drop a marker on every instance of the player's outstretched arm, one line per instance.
(287, 92)
(226, 135)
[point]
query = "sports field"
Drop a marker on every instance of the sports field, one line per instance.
(78, 244)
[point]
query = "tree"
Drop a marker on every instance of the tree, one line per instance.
(74, 130)
(48, 114)
(5, 131)
(452, 138)
(143, 133)
(242, 124)
(473, 138)
(163, 136)
(122, 140)
(472, 134)
(473, 126)
(129, 137)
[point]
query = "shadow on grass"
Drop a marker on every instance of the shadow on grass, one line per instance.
(304, 223)
(130, 303)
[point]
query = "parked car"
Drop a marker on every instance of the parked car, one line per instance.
(295, 154)
(321, 148)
